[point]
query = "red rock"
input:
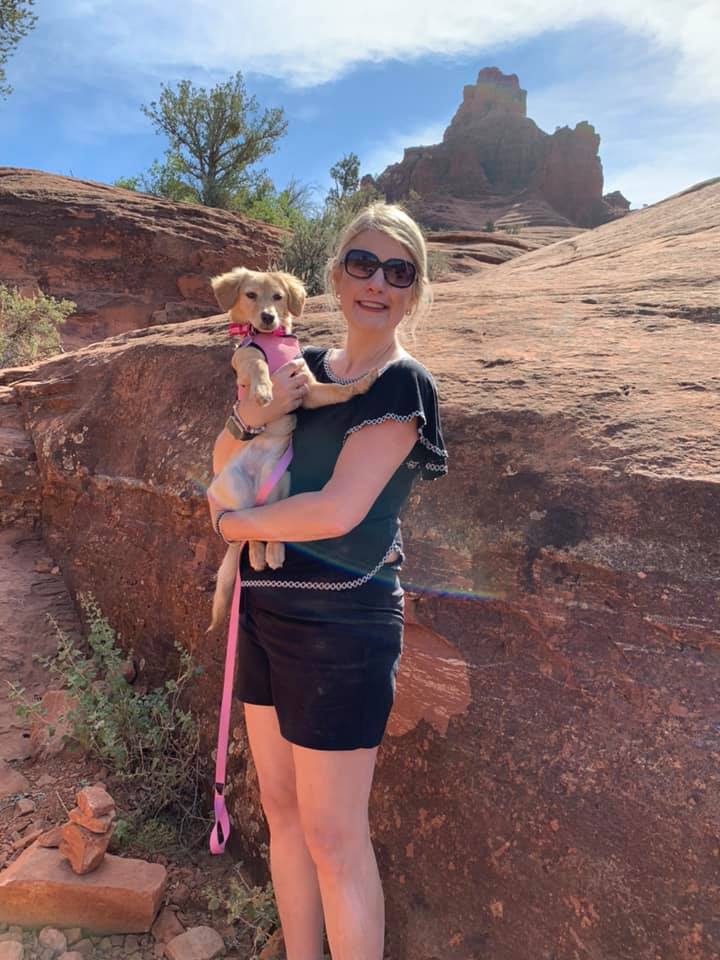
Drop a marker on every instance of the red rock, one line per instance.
(198, 943)
(578, 386)
(72, 955)
(51, 838)
(126, 259)
(84, 947)
(24, 806)
(94, 824)
(25, 840)
(11, 780)
(95, 801)
(492, 152)
(83, 848)
(11, 950)
(52, 939)
(121, 896)
(166, 926)
(73, 934)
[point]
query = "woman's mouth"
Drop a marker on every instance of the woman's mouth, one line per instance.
(371, 305)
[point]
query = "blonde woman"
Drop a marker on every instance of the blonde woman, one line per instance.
(320, 639)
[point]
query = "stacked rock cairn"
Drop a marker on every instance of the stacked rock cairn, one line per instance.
(84, 839)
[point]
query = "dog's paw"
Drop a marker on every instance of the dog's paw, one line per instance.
(256, 553)
(275, 555)
(263, 394)
(364, 384)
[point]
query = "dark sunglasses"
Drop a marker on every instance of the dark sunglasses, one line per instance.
(362, 264)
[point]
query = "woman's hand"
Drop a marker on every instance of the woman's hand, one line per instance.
(290, 385)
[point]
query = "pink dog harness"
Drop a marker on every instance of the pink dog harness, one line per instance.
(277, 348)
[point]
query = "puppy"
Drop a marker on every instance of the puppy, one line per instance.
(262, 304)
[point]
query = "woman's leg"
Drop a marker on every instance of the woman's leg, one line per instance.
(333, 789)
(293, 872)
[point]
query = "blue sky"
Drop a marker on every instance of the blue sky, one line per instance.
(371, 78)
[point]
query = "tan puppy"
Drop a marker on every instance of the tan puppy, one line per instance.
(263, 302)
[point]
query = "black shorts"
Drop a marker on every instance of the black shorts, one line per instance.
(326, 660)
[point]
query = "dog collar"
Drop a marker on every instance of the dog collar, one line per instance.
(245, 330)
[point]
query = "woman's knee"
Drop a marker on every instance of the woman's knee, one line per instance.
(335, 842)
(279, 801)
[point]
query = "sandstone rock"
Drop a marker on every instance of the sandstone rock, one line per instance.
(51, 838)
(125, 258)
(83, 848)
(11, 780)
(94, 824)
(491, 150)
(11, 950)
(73, 934)
(52, 939)
(181, 894)
(26, 839)
(95, 802)
(84, 947)
(72, 955)
(563, 583)
(46, 780)
(24, 806)
(57, 705)
(121, 896)
(197, 943)
(167, 926)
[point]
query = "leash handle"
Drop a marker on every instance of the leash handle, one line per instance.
(221, 829)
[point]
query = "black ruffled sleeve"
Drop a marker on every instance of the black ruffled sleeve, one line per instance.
(403, 391)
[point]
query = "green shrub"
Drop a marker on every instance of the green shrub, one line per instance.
(254, 908)
(438, 264)
(306, 252)
(29, 326)
(145, 739)
(489, 226)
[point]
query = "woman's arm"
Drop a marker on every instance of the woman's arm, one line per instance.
(366, 464)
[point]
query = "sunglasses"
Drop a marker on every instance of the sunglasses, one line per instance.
(362, 264)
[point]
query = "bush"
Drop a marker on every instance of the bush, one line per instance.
(438, 264)
(144, 738)
(306, 252)
(29, 326)
(252, 907)
(489, 226)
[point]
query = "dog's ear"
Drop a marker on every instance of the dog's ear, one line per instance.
(227, 287)
(295, 293)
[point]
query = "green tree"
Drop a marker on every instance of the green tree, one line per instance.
(216, 135)
(346, 178)
(16, 20)
(29, 326)
(163, 179)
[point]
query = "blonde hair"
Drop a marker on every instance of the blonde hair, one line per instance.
(395, 222)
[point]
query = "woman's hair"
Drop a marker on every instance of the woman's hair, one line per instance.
(392, 220)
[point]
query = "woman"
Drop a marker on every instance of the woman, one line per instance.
(321, 637)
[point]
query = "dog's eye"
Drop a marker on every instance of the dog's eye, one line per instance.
(251, 295)
(277, 296)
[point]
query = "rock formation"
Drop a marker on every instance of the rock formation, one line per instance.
(547, 764)
(126, 259)
(494, 153)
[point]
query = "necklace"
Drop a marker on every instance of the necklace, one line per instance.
(345, 380)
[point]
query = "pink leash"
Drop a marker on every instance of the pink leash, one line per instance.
(221, 830)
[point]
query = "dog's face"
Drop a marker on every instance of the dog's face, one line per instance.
(266, 301)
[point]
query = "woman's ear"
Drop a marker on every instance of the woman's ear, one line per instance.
(227, 287)
(295, 293)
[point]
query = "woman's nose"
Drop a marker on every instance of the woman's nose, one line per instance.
(377, 280)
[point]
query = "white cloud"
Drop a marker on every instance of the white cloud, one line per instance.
(318, 40)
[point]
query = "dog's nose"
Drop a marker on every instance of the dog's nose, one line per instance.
(267, 317)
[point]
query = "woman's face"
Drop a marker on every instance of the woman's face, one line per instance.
(373, 304)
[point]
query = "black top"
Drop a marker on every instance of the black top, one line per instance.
(404, 390)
